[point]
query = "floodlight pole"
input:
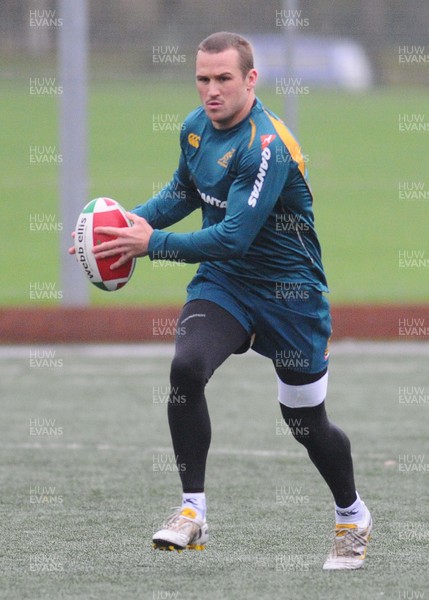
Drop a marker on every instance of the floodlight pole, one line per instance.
(290, 8)
(73, 184)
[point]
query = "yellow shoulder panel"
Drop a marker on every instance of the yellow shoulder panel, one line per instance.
(289, 141)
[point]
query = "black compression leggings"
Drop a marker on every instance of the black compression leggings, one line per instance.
(208, 335)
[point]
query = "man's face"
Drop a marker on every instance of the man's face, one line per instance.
(226, 95)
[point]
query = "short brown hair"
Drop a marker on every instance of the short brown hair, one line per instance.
(223, 40)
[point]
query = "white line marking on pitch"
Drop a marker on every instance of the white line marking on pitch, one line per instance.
(351, 347)
(151, 450)
(167, 450)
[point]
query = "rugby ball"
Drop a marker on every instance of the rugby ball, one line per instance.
(101, 212)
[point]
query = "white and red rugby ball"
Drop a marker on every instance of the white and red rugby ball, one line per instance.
(101, 212)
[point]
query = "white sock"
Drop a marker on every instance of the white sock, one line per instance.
(356, 513)
(196, 501)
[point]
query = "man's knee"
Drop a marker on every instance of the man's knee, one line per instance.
(305, 424)
(188, 370)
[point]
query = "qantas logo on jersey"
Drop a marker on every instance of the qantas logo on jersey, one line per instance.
(267, 139)
(260, 177)
(211, 200)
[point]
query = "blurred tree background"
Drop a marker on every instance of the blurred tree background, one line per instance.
(124, 31)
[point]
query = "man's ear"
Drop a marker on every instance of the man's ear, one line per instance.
(252, 77)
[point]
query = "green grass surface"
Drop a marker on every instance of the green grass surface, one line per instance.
(102, 494)
(356, 159)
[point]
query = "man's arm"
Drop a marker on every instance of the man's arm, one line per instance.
(245, 215)
(251, 199)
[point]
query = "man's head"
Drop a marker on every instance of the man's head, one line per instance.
(218, 42)
(225, 78)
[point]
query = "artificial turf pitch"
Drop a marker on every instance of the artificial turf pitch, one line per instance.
(87, 474)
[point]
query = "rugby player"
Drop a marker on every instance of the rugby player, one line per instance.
(260, 284)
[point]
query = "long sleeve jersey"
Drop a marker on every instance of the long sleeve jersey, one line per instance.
(251, 185)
